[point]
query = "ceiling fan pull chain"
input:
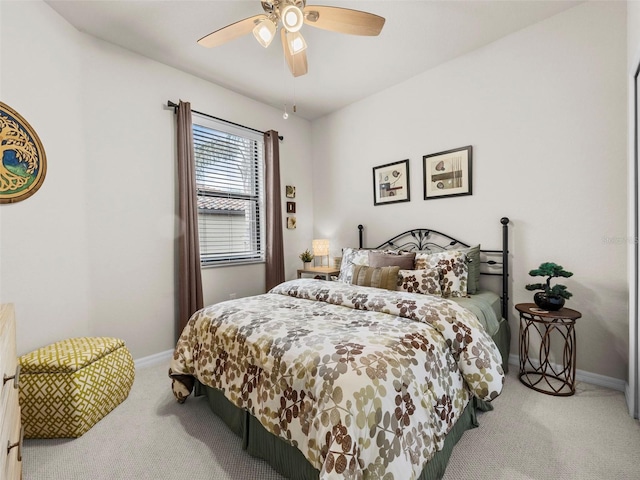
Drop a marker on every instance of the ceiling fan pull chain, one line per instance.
(294, 94)
(285, 115)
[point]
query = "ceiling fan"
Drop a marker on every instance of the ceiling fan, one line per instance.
(290, 15)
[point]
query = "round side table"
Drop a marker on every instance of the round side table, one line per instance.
(536, 371)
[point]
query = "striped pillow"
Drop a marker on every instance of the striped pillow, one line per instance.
(378, 277)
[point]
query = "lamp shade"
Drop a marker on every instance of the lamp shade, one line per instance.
(320, 247)
(264, 31)
(296, 42)
(292, 18)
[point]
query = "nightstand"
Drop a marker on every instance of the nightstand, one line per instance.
(326, 272)
(538, 325)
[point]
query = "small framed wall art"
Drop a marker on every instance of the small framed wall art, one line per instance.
(391, 183)
(290, 191)
(291, 223)
(291, 207)
(448, 173)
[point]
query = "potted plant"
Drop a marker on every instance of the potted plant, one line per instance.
(306, 257)
(551, 297)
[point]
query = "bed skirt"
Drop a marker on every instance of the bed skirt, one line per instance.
(291, 463)
(503, 342)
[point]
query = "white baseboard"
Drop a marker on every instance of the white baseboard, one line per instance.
(582, 376)
(155, 359)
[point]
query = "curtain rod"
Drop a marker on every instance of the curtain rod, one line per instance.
(175, 107)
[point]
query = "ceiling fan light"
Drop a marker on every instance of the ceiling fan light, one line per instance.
(295, 42)
(265, 31)
(292, 18)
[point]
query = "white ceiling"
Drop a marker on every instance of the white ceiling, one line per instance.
(417, 36)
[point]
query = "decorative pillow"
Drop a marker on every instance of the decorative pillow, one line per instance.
(386, 259)
(357, 256)
(420, 281)
(378, 277)
(473, 265)
(453, 268)
(351, 257)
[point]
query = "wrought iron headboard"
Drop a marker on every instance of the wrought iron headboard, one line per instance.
(493, 262)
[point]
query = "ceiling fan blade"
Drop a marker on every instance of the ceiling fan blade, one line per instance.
(343, 20)
(230, 32)
(298, 62)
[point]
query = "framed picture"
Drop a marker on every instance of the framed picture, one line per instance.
(447, 174)
(290, 191)
(23, 163)
(291, 223)
(391, 183)
(291, 207)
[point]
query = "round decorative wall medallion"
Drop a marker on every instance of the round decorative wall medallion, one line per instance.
(23, 163)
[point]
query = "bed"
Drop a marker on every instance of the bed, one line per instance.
(357, 378)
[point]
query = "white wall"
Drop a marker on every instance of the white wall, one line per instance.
(545, 112)
(92, 253)
(633, 30)
(44, 256)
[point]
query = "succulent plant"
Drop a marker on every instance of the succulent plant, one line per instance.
(306, 256)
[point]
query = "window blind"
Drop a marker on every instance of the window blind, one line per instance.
(229, 170)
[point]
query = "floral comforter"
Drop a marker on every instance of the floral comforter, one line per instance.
(358, 379)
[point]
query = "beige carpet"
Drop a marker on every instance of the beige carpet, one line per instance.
(529, 435)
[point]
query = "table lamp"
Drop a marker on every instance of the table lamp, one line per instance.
(320, 249)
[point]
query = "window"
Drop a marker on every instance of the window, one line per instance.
(229, 184)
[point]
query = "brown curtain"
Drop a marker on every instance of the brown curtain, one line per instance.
(189, 277)
(274, 268)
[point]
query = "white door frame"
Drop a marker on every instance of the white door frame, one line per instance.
(632, 393)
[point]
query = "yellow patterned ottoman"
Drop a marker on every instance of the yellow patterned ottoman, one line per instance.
(68, 386)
